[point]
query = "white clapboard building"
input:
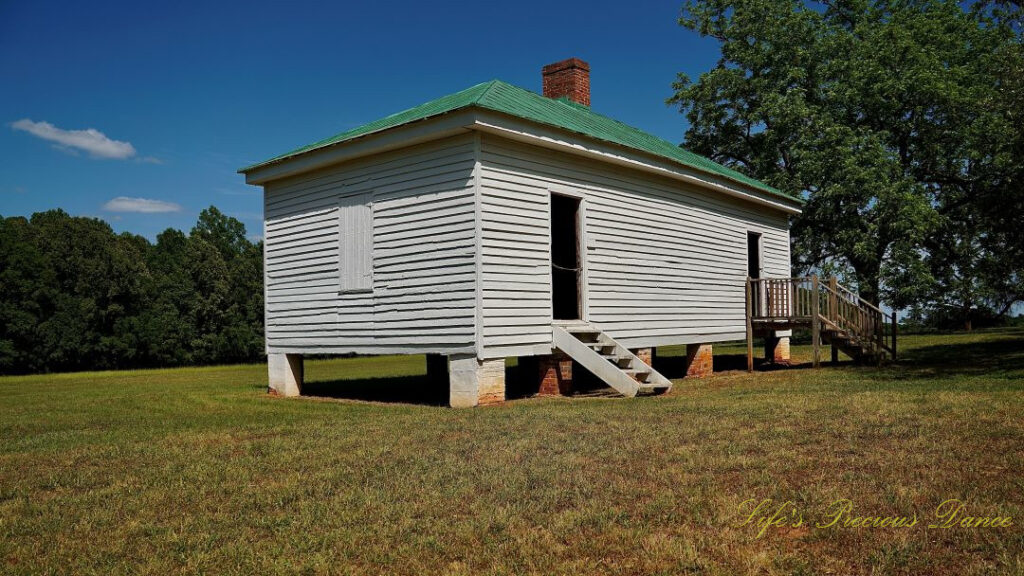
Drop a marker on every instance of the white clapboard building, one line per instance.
(496, 222)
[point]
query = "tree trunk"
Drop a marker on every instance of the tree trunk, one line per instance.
(868, 283)
(1007, 307)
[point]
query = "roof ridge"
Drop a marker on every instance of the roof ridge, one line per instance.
(486, 91)
(582, 109)
(411, 108)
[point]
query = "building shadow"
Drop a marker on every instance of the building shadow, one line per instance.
(520, 379)
(1005, 354)
(421, 390)
(674, 367)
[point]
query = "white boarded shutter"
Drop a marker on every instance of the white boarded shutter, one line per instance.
(355, 218)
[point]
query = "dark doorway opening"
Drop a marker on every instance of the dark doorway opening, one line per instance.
(753, 254)
(565, 258)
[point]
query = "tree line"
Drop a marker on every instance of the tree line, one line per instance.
(899, 121)
(77, 296)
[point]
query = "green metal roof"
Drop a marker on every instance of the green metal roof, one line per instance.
(560, 113)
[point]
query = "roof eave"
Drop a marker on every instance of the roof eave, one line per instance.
(423, 130)
(339, 140)
(539, 134)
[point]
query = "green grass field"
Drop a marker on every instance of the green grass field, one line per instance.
(199, 471)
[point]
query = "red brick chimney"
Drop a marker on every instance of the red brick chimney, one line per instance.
(569, 78)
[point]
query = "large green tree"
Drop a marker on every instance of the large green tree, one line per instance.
(977, 255)
(872, 111)
(224, 259)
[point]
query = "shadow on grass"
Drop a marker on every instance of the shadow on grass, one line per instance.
(419, 389)
(1000, 352)
(393, 390)
(991, 354)
(674, 367)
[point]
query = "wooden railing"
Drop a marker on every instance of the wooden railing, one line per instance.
(781, 298)
(821, 305)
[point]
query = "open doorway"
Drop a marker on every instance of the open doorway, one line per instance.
(565, 258)
(757, 303)
(753, 254)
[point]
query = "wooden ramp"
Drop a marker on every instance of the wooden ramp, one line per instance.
(833, 313)
(613, 363)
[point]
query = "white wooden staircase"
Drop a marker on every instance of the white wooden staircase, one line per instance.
(605, 358)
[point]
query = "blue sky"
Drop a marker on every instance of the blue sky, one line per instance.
(179, 95)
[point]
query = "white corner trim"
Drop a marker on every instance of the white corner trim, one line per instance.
(479, 240)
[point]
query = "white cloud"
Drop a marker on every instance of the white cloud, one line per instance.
(141, 205)
(237, 191)
(248, 216)
(89, 140)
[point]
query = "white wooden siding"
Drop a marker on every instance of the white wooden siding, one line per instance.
(423, 255)
(460, 252)
(664, 262)
(355, 250)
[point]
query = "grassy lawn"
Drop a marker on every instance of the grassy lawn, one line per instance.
(199, 471)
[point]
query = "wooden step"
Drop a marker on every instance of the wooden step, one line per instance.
(633, 372)
(620, 361)
(648, 389)
(607, 359)
(641, 377)
(578, 329)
